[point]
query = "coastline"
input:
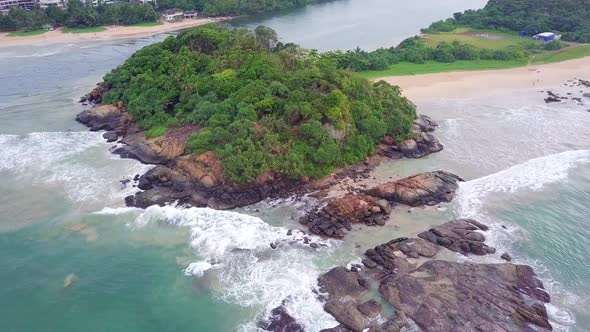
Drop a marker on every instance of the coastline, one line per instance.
(112, 32)
(462, 84)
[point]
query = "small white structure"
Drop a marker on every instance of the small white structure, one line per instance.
(191, 14)
(173, 15)
(547, 36)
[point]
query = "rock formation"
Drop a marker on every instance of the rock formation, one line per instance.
(423, 143)
(423, 189)
(436, 295)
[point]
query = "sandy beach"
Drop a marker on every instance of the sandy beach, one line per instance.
(488, 82)
(113, 32)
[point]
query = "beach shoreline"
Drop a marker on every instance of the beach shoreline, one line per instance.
(57, 36)
(482, 83)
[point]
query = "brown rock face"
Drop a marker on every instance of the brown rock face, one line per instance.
(204, 169)
(339, 215)
(173, 143)
(445, 296)
(423, 189)
(438, 296)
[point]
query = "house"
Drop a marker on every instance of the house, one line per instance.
(190, 14)
(547, 36)
(173, 15)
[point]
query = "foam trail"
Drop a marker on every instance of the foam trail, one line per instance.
(531, 175)
(253, 275)
(77, 161)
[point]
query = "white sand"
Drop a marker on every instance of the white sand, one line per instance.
(487, 82)
(112, 32)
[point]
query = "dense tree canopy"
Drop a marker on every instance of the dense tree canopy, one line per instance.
(265, 106)
(233, 7)
(570, 17)
(77, 15)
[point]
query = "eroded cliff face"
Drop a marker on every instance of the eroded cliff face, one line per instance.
(198, 180)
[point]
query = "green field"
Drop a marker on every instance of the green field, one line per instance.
(495, 40)
(483, 39)
(408, 68)
(145, 24)
(26, 33)
(84, 30)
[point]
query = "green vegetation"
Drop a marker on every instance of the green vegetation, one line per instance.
(156, 131)
(26, 33)
(408, 68)
(563, 55)
(84, 30)
(265, 106)
(145, 24)
(77, 15)
(569, 17)
(233, 7)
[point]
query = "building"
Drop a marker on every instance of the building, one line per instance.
(173, 15)
(547, 36)
(48, 3)
(191, 14)
(5, 5)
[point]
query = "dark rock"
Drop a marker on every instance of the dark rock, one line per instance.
(280, 321)
(273, 245)
(136, 177)
(459, 235)
(419, 189)
(505, 256)
(340, 282)
(371, 308)
(141, 152)
(110, 136)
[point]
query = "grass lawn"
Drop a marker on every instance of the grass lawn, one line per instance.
(408, 68)
(567, 53)
(490, 39)
(84, 30)
(145, 24)
(26, 33)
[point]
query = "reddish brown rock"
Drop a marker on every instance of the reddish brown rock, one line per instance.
(204, 169)
(173, 143)
(340, 214)
(423, 189)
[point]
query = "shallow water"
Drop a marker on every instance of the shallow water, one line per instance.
(74, 258)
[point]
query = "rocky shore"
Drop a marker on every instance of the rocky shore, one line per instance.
(414, 288)
(198, 180)
(404, 283)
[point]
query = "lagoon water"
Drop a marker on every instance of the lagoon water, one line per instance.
(74, 258)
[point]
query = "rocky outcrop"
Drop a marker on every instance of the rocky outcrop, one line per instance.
(280, 321)
(95, 96)
(446, 296)
(421, 144)
(437, 295)
(461, 235)
(338, 216)
(423, 189)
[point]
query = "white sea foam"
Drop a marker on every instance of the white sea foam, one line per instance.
(531, 175)
(76, 161)
(252, 274)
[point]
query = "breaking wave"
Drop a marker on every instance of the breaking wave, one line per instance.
(236, 248)
(76, 161)
(530, 176)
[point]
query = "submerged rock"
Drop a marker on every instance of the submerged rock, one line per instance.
(422, 189)
(280, 321)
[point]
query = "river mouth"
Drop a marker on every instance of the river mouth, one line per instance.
(75, 252)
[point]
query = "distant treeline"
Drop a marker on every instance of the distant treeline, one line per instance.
(569, 17)
(415, 50)
(77, 15)
(233, 7)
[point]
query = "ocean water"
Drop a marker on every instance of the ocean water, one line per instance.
(74, 258)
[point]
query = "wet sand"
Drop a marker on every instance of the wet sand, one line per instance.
(487, 82)
(113, 32)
